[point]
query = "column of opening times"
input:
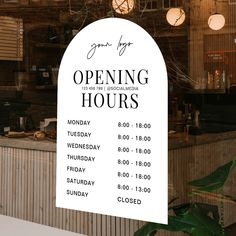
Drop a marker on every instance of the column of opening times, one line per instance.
(134, 151)
(125, 136)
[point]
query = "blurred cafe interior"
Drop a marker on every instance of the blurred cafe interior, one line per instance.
(198, 41)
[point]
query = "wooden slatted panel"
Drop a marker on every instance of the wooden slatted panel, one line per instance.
(28, 188)
(28, 191)
(232, 2)
(11, 39)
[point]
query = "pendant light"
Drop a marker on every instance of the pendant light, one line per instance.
(123, 6)
(216, 21)
(175, 16)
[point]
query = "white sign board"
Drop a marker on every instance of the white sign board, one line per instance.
(112, 123)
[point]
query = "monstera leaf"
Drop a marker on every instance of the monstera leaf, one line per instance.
(189, 219)
(192, 218)
(216, 180)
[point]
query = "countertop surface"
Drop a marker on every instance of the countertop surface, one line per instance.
(28, 143)
(177, 140)
(181, 140)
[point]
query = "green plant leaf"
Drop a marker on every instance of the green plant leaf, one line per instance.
(192, 221)
(181, 209)
(216, 180)
(146, 229)
(205, 208)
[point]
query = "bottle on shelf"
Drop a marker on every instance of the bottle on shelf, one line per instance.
(217, 79)
(196, 119)
(189, 122)
(223, 80)
(188, 125)
(210, 81)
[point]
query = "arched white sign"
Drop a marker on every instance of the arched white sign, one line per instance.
(112, 123)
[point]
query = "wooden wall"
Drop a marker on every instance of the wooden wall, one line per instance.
(27, 188)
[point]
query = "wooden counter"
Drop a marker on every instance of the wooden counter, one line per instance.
(28, 182)
(182, 140)
(28, 191)
(28, 144)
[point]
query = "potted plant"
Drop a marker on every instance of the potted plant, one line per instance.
(198, 219)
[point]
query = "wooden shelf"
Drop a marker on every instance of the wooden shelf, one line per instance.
(51, 45)
(46, 87)
(11, 87)
(208, 91)
(27, 87)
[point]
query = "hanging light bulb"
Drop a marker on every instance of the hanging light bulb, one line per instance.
(123, 6)
(175, 16)
(216, 21)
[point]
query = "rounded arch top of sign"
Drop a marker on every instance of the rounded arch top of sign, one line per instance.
(113, 53)
(112, 105)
